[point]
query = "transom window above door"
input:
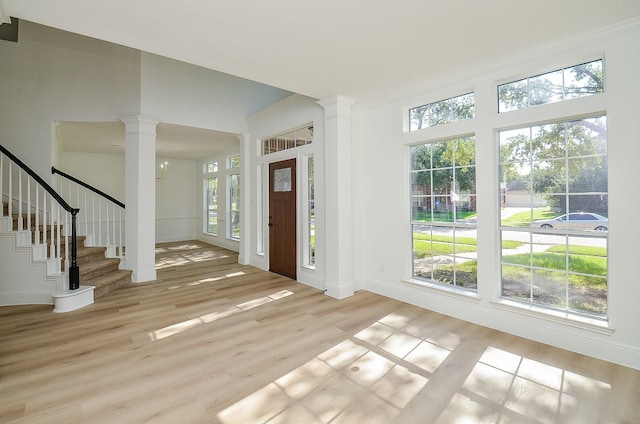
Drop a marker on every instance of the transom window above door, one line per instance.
(300, 136)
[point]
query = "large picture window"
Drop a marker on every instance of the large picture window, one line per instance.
(443, 212)
(555, 204)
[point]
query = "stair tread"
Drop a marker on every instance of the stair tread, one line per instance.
(109, 282)
(107, 278)
(100, 263)
(91, 250)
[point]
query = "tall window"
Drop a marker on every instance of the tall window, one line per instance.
(554, 192)
(234, 206)
(563, 84)
(260, 211)
(310, 231)
(212, 205)
(443, 212)
(211, 197)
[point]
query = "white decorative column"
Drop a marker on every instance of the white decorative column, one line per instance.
(4, 19)
(140, 197)
(339, 255)
(246, 227)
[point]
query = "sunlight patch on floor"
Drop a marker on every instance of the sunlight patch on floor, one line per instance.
(186, 246)
(183, 326)
(503, 386)
(208, 280)
(186, 258)
(370, 366)
(386, 369)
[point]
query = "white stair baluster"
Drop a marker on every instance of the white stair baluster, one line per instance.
(29, 203)
(44, 218)
(66, 242)
(20, 200)
(36, 233)
(58, 255)
(10, 198)
(100, 222)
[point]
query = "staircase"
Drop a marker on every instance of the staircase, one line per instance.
(62, 247)
(96, 270)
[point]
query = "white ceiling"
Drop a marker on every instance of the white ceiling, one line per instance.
(364, 49)
(172, 141)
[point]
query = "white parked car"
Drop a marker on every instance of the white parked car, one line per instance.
(576, 221)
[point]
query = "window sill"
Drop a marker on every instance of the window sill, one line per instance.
(559, 317)
(450, 291)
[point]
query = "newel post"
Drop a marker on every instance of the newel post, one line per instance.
(74, 271)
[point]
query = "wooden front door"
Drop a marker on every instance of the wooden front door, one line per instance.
(282, 218)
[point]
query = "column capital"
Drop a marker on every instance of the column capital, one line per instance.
(140, 124)
(336, 105)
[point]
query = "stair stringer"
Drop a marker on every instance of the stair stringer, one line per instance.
(28, 277)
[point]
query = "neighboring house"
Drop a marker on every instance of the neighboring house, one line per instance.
(517, 195)
(358, 163)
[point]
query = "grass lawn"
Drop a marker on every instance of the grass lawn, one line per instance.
(587, 266)
(443, 244)
(524, 219)
(442, 216)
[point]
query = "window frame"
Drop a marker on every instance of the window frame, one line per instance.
(535, 234)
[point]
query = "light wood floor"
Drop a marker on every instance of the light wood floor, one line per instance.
(215, 342)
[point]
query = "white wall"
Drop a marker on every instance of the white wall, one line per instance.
(288, 114)
(382, 235)
(53, 75)
(104, 172)
(185, 94)
(176, 216)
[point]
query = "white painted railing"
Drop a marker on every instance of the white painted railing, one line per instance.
(101, 218)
